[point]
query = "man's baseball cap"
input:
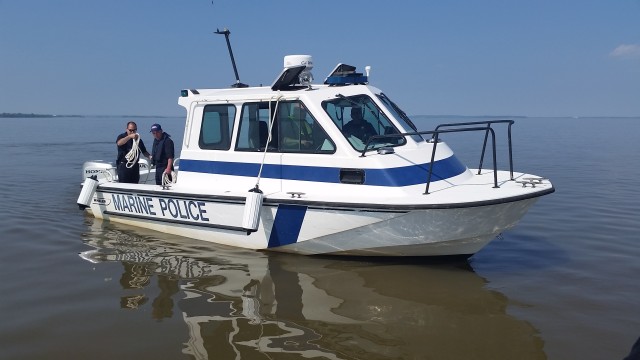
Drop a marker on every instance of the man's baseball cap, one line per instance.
(156, 127)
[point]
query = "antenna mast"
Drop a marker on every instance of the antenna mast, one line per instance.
(226, 33)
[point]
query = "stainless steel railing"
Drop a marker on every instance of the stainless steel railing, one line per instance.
(455, 128)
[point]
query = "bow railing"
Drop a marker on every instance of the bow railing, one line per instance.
(455, 128)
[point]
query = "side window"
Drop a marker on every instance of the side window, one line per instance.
(299, 131)
(217, 126)
(294, 129)
(254, 128)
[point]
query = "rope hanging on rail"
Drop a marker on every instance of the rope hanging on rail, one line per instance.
(266, 146)
(168, 180)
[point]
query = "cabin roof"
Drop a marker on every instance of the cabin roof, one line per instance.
(265, 93)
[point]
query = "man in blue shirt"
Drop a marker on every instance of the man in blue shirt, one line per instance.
(162, 154)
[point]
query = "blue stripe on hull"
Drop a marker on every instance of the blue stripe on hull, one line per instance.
(401, 176)
(286, 225)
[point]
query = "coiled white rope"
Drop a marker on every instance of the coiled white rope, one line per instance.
(133, 154)
(166, 181)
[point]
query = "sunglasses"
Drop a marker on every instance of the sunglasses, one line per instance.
(132, 129)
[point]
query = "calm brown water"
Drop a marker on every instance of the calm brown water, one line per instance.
(562, 285)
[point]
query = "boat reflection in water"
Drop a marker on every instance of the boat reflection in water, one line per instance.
(242, 304)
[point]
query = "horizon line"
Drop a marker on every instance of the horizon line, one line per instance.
(34, 115)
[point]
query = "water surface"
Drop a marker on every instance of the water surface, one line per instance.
(561, 285)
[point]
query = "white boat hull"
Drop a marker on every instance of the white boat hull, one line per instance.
(311, 229)
(432, 232)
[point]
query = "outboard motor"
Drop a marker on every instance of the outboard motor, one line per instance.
(107, 172)
(103, 171)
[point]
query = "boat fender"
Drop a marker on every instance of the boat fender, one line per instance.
(252, 206)
(86, 194)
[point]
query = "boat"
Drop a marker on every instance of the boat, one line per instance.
(323, 168)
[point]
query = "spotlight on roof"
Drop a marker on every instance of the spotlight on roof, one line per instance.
(305, 77)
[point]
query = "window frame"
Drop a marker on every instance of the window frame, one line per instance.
(276, 133)
(225, 132)
(368, 113)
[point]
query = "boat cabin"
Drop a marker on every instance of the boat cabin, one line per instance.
(303, 137)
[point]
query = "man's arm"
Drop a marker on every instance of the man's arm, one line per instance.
(169, 150)
(124, 139)
(143, 149)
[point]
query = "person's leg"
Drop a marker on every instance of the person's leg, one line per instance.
(124, 174)
(135, 174)
(128, 175)
(159, 172)
(120, 171)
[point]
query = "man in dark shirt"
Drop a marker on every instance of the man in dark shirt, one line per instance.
(162, 154)
(129, 170)
(358, 126)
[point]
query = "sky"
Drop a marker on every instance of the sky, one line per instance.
(489, 57)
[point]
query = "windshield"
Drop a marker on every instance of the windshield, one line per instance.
(401, 116)
(359, 118)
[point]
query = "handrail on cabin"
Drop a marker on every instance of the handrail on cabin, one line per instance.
(458, 127)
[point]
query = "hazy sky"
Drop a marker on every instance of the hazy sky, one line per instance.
(489, 57)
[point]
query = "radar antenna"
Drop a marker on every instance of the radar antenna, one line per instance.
(226, 33)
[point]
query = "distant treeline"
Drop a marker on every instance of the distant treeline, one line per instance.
(22, 115)
(473, 116)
